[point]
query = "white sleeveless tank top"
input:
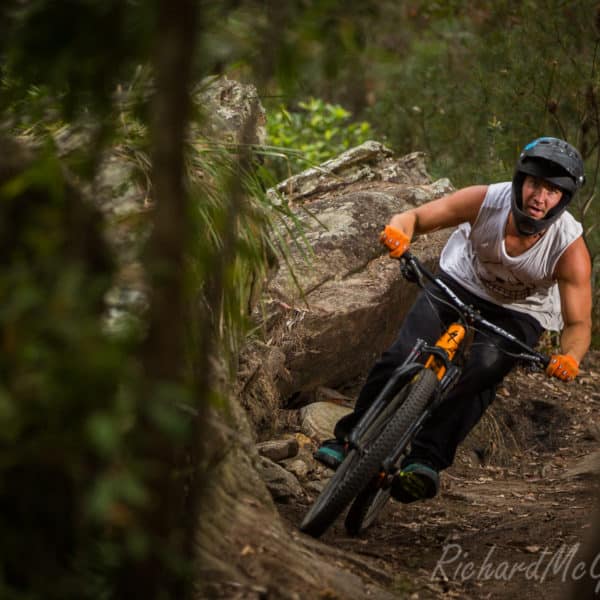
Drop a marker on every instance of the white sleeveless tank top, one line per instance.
(476, 257)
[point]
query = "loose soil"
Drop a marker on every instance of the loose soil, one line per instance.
(513, 509)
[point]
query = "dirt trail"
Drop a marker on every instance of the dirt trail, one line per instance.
(512, 510)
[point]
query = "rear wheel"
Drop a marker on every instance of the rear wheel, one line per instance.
(366, 508)
(358, 469)
(371, 500)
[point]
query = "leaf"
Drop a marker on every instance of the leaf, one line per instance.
(102, 434)
(587, 204)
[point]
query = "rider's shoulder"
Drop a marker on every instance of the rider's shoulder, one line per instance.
(575, 262)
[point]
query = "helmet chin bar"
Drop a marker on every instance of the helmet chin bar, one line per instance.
(527, 225)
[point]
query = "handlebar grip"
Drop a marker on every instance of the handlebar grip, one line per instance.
(535, 358)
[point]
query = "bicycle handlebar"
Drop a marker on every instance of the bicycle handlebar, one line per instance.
(412, 267)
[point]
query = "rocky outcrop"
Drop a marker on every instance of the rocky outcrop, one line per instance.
(336, 301)
(370, 161)
(122, 191)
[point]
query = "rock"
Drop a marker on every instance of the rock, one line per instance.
(229, 104)
(343, 234)
(333, 307)
(371, 161)
(316, 486)
(325, 394)
(588, 466)
(592, 431)
(297, 467)
(350, 321)
(319, 419)
(282, 485)
(304, 442)
(420, 194)
(261, 369)
(334, 312)
(277, 450)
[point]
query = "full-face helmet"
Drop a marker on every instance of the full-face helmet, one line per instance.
(555, 161)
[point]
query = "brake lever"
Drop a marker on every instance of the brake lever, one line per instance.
(535, 366)
(532, 367)
(410, 271)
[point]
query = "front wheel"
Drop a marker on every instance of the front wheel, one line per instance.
(359, 468)
(370, 501)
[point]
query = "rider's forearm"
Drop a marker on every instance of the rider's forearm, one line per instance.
(406, 222)
(575, 340)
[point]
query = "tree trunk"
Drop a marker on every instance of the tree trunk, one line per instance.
(164, 522)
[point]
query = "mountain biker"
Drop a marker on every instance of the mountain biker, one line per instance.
(521, 260)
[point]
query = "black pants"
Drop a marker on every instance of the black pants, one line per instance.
(485, 368)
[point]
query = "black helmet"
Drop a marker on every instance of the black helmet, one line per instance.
(555, 161)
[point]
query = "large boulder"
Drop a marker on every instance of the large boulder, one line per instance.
(337, 300)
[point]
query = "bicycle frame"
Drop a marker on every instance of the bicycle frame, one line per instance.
(440, 358)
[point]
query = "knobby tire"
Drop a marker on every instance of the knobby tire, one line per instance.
(371, 500)
(357, 470)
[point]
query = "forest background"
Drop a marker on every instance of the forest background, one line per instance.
(95, 447)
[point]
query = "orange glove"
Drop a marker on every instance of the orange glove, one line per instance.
(563, 366)
(397, 241)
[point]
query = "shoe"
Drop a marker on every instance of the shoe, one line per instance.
(331, 453)
(414, 482)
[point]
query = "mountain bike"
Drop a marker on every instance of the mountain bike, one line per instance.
(381, 438)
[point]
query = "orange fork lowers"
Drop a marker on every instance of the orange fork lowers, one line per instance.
(450, 342)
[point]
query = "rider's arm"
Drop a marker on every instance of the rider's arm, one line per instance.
(574, 272)
(459, 207)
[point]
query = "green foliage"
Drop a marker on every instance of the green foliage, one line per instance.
(480, 80)
(303, 48)
(34, 54)
(73, 404)
(75, 478)
(64, 423)
(214, 168)
(315, 133)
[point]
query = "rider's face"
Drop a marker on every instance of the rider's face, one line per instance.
(539, 196)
